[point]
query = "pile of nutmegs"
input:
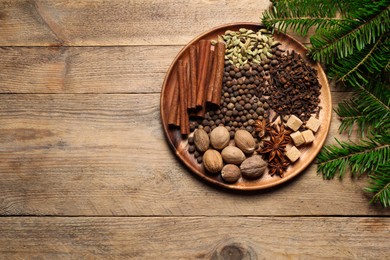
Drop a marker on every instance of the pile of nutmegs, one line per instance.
(234, 160)
(269, 107)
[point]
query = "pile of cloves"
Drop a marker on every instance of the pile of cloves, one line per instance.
(295, 87)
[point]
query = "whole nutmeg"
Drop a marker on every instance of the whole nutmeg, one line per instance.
(245, 141)
(232, 154)
(201, 140)
(212, 161)
(230, 173)
(219, 138)
(253, 167)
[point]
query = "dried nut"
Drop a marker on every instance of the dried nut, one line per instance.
(212, 161)
(230, 173)
(201, 140)
(253, 167)
(232, 154)
(245, 141)
(219, 137)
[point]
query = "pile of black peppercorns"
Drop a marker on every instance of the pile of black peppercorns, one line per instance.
(241, 103)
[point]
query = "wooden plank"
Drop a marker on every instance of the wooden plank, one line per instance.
(120, 22)
(213, 238)
(131, 69)
(137, 69)
(107, 155)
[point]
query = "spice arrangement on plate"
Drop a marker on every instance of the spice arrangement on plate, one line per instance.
(244, 105)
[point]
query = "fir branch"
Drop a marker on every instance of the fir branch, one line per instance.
(300, 8)
(370, 60)
(302, 24)
(374, 100)
(329, 45)
(369, 109)
(359, 158)
(380, 185)
(356, 28)
(364, 9)
(300, 15)
(350, 116)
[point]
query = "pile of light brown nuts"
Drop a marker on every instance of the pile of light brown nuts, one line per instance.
(232, 160)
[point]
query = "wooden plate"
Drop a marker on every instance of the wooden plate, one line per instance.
(180, 146)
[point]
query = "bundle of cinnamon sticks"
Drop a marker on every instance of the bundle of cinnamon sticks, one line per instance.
(196, 83)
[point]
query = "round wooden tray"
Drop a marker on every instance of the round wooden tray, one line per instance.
(309, 153)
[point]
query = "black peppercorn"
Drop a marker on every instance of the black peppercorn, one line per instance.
(191, 148)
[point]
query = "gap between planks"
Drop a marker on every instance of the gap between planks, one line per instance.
(196, 216)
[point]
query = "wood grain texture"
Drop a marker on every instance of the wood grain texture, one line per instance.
(107, 155)
(132, 69)
(120, 22)
(81, 143)
(176, 238)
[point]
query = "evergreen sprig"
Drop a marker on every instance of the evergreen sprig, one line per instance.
(352, 39)
(351, 36)
(287, 15)
(369, 109)
(380, 185)
(359, 158)
(336, 37)
(372, 59)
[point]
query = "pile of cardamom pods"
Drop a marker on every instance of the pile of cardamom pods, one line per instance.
(246, 46)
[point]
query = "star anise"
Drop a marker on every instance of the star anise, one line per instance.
(276, 146)
(281, 131)
(278, 167)
(262, 127)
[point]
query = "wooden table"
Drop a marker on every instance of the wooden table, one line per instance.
(86, 172)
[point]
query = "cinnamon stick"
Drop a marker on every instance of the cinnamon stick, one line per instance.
(193, 75)
(204, 59)
(173, 101)
(219, 69)
(211, 80)
(184, 119)
(202, 111)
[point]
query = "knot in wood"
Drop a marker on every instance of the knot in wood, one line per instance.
(234, 251)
